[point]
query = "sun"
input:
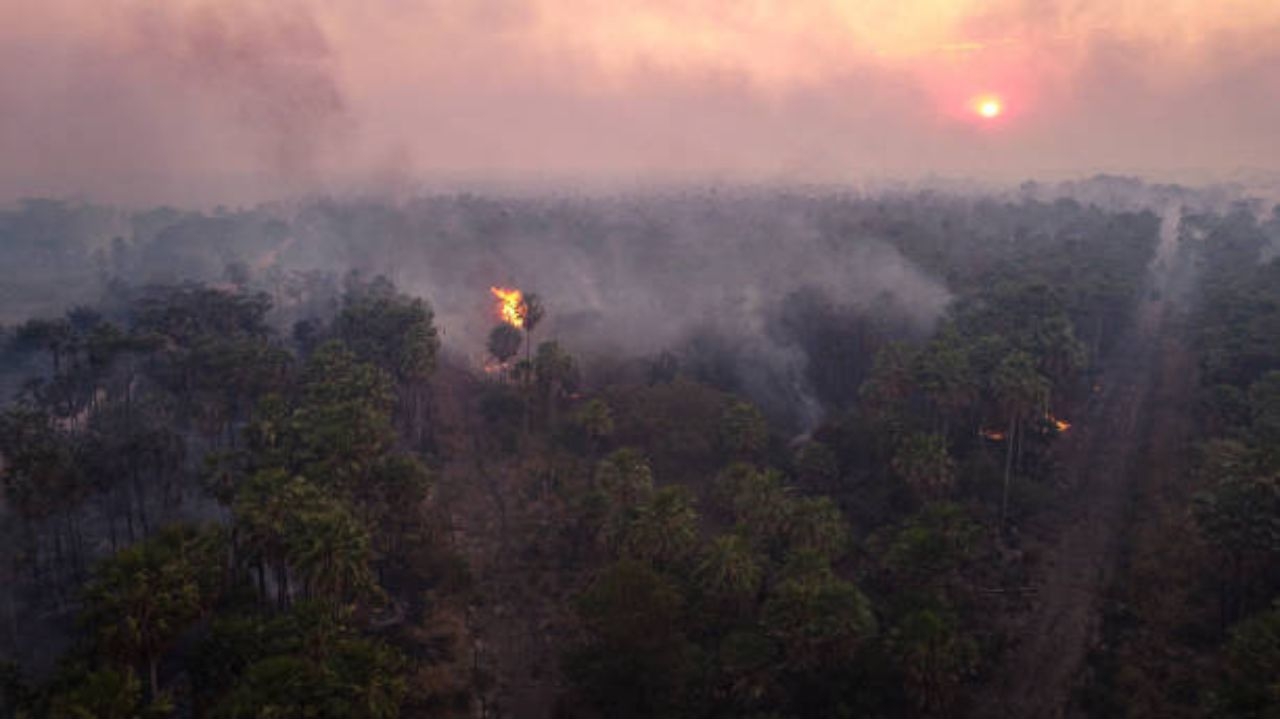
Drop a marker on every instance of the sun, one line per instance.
(989, 107)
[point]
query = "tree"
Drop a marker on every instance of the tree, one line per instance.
(935, 657)
(892, 380)
(625, 477)
(761, 506)
(396, 333)
(743, 431)
(105, 693)
(265, 507)
(1252, 664)
(556, 375)
(1020, 390)
(663, 530)
(330, 549)
(1240, 515)
(945, 375)
(309, 663)
(52, 336)
(816, 525)
(596, 421)
(923, 463)
(817, 467)
(145, 596)
(531, 312)
(638, 660)
(729, 569)
(342, 425)
(504, 343)
(818, 619)
(1264, 416)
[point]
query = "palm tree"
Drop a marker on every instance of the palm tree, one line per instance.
(946, 376)
(330, 550)
(556, 374)
(729, 568)
(504, 343)
(664, 529)
(1020, 390)
(531, 313)
(596, 421)
(625, 476)
(145, 596)
(923, 463)
(265, 505)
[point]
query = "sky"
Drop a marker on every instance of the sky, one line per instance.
(203, 101)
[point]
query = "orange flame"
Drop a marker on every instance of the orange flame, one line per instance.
(1061, 425)
(994, 435)
(512, 307)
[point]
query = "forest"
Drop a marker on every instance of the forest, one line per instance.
(770, 451)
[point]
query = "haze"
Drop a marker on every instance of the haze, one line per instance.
(230, 101)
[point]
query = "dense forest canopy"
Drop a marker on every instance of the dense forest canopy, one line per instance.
(771, 451)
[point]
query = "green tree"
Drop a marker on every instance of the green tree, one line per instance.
(397, 334)
(341, 427)
(330, 550)
(144, 597)
(310, 663)
(504, 343)
(531, 312)
(625, 477)
(743, 431)
(1020, 390)
(663, 530)
(817, 466)
(556, 375)
(638, 660)
(817, 525)
(923, 463)
(729, 569)
(936, 659)
(1249, 687)
(104, 694)
(596, 421)
(944, 374)
(818, 619)
(1240, 516)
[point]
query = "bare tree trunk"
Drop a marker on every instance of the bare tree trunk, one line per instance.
(152, 663)
(1008, 466)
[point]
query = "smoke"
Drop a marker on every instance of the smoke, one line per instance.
(155, 102)
(196, 101)
(269, 66)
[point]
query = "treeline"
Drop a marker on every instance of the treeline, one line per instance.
(1193, 628)
(333, 519)
(259, 499)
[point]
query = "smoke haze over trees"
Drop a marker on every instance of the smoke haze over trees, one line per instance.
(199, 102)
(533, 358)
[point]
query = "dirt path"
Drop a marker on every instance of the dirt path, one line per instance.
(1076, 548)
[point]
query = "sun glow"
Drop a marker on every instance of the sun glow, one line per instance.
(988, 107)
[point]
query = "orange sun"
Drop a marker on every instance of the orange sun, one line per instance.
(988, 107)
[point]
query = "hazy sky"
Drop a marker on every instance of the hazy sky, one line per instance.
(125, 100)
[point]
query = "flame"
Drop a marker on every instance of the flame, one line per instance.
(512, 307)
(1061, 425)
(994, 435)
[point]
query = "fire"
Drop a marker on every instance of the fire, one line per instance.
(994, 435)
(512, 307)
(1061, 425)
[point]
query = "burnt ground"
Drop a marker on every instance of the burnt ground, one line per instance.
(500, 518)
(1131, 435)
